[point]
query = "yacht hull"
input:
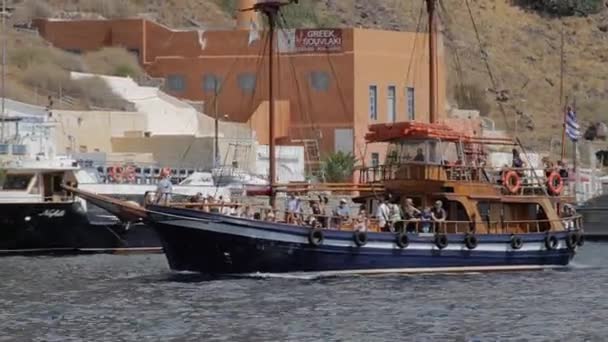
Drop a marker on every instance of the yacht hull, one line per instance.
(65, 228)
(216, 244)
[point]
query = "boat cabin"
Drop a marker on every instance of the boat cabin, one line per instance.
(431, 162)
(36, 181)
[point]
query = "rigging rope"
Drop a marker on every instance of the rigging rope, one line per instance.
(484, 57)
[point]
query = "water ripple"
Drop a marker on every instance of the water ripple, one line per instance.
(136, 298)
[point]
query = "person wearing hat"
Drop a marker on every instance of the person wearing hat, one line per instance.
(438, 214)
(342, 212)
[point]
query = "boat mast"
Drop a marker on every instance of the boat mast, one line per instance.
(430, 6)
(270, 9)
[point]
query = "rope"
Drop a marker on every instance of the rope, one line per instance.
(486, 63)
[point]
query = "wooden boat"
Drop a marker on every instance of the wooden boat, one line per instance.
(497, 219)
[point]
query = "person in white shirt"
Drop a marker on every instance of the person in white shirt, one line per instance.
(383, 214)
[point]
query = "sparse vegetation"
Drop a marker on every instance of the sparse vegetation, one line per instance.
(33, 9)
(338, 167)
(563, 7)
(109, 8)
(469, 96)
(113, 61)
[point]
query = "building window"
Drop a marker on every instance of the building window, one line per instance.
(373, 102)
(344, 140)
(375, 159)
(391, 108)
(247, 82)
(212, 83)
(411, 116)
(83, 149)
(319, 80)
(176, 83)
(74, 51)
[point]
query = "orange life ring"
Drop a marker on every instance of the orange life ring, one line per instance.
(115, 173)
(129, 174)
(555, 184)
(511, 181)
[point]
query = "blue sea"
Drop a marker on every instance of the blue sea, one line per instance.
(137, 298)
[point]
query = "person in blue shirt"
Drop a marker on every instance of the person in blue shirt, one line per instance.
(342, 212)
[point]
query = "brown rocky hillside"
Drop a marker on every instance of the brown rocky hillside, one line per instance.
(521, 48)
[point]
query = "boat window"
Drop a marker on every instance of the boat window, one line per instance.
(427, 151)
(490, 211)
(456, 211)
(16, 181)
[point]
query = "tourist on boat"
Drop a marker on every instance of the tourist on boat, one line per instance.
(342, 213)
(247, 212)
(164, 188)
(196, 198)
(292, 208)
(314, 220)
(419, 155)
(410, 213)
(438, 214)
(426, 218)
(383, 215)
(517, 162)
(396, 217)
(361, 220)
(562, 169)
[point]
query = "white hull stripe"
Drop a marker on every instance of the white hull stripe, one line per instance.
(466, 269)
(254, 233)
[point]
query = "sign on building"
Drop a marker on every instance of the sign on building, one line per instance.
(310, 40)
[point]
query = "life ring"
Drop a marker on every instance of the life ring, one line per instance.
(551, 242)
(441, 241)
(129, 174)
(511, 181)
(470, 241)
(360, 238)
(516, 242)
(115, 173)
(572, 240)
(316, 237)
(402, 240)
(555, 184)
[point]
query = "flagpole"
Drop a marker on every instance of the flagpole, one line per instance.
(565, 109)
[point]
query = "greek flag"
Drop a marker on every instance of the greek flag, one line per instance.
(254, 34)
(572, 127)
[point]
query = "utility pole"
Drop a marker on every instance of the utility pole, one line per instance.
(561, 94)
(216, 143)
(3, 105)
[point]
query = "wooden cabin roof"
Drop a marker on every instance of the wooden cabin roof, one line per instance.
(420, 131)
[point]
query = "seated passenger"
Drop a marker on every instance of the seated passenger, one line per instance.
(342, 213)
(438, 214)
(419, 155)
(361, 220)
(426, 217)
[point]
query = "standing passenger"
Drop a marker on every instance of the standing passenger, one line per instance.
(438, 214)
(383, 215)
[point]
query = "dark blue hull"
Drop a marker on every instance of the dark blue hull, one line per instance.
(216, 244)
(41, 228)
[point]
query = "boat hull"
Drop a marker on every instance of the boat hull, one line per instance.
(217, 244)
(39, 228)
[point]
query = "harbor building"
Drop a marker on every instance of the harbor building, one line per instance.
(330, 84)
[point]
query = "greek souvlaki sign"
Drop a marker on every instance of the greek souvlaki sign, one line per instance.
(51, 213)
(310, 40)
